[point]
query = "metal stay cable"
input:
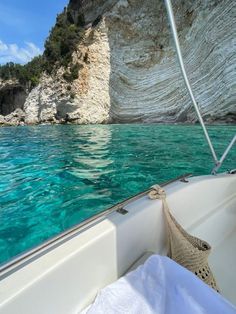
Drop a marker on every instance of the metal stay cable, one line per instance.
(218, 163)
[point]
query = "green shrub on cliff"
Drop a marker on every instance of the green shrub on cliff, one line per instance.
(72, 74)
(27, 74)
(59, 46)
(62, 41)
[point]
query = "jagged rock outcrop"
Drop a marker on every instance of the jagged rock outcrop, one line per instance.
(128, 71)
(17, 117)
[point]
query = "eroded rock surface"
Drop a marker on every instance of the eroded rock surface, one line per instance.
(86, 99)
(128, 70)
(145, 81)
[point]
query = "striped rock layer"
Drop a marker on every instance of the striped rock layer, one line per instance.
(131, 73)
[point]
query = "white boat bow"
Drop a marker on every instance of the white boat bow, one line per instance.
(64, 276)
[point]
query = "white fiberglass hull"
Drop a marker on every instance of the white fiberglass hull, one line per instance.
(65, 276)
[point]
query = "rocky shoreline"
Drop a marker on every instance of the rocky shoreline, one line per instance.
(17, 118)
(127, 68)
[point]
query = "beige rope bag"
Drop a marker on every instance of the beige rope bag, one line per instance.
(187, 250)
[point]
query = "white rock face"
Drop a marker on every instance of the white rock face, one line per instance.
(145, 82)
(129, 70)
(40, 105)
(87, 99)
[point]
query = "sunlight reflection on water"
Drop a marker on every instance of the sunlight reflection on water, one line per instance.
(53, 177)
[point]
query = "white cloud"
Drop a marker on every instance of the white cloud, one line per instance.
(3, 47)
(14, 53)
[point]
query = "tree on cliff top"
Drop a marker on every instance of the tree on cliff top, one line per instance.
(62, 40)
(27, 74)
(59, 46)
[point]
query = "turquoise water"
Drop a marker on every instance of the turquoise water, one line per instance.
(53, 177)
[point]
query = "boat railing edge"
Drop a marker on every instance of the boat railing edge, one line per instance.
(23, 259)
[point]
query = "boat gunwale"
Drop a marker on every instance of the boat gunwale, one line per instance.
(26, 257)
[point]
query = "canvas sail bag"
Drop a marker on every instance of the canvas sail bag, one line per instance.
(187, 250)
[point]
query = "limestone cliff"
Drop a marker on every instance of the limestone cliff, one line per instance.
(86, 99)
(127, 66)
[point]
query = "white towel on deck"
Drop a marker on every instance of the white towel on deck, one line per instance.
(160, 286)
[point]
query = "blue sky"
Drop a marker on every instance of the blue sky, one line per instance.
(24, 26)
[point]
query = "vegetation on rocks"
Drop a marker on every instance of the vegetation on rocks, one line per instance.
(27, 74)
(59, 47)
(62, 40)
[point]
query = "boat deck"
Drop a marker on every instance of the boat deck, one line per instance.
(218, 227)
(222, 261)
(60, 273)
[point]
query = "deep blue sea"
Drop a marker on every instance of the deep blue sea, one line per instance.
(53, 177)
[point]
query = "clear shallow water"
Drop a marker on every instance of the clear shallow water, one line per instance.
(53, 177)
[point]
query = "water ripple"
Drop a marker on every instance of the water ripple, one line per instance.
(53, 177)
